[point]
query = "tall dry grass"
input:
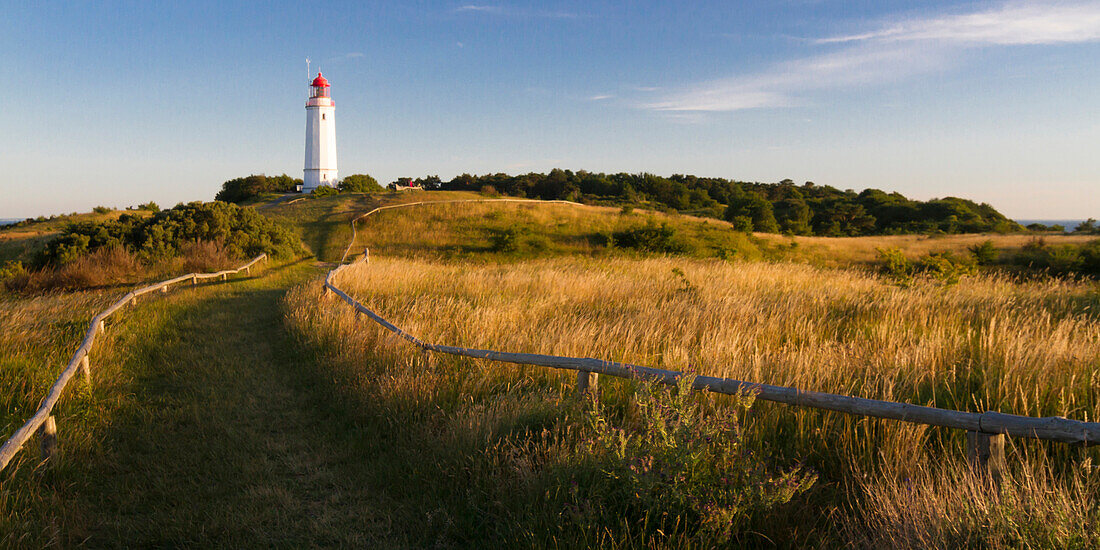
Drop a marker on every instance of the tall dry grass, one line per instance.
(988, 343)
(844, 251)
(117, 266)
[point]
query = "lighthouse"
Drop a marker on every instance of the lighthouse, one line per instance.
(320, 137)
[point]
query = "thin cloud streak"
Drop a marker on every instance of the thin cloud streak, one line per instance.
(506, 11)
(893, 52)
(1031, 23)
(479, 8)
(779, 87)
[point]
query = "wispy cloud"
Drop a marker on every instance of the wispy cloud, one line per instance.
(600, 97)
(1024, 23)
(893, 51)
(515, 12)
(480, 8)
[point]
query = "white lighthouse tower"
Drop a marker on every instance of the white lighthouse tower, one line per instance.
(320, 137)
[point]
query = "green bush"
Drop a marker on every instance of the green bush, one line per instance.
(241, 189)
(360, 183)
(946, 268)
(895, 265)
(1060, 260)
(11, 271)
(99, 210)
(324, 191)
(241, 232)
(1090, 258)
(676, 466)
(508, 239)
(149, 206)
(984, 253)
(742, 223)
(661, 239)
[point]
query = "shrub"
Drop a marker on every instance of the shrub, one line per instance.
(946, 268)
(627, 209)
(241, 232)
(1090, 258)
(676, 466)
(490, 191)
(100, 210)
(324, 191)
(508, 239)
(651, 237)
(984, 253)
(742, 224)
(12, 271)
(241, 189)
(895, 265)
(360, 183)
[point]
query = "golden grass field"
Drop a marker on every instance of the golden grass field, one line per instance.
(846, 251)
(990, 342)
(472, 445)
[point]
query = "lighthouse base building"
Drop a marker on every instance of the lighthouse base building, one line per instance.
(320, 168)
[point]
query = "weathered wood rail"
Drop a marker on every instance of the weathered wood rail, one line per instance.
(985, 430)
(43, 420)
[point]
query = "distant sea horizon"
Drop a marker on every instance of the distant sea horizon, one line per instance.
(9, 221)
(1068, 224)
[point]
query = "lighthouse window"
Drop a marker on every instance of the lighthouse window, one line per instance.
(322, 116)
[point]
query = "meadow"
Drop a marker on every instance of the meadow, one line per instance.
(345, 435)
(989, 342)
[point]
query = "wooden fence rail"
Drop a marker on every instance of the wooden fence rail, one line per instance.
(43, 421)
(985, 430)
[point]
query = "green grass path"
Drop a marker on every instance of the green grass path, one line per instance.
(228, 438)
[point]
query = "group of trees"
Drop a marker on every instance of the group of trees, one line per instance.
(359, 183)
(241, 189)
(238, 190)
(805, 209)
(241, 232)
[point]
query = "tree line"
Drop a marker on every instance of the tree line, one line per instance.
(786, 207)
(782, 207)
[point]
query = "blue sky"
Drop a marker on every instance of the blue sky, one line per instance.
(118, 103)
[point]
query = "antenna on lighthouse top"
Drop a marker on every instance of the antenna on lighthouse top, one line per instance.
(308, 74)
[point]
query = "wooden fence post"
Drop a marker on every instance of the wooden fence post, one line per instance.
(102, 328)
(194, 280)
(48, 433)
(587, 383)
(133, 301)
(986, 453)
(86, 369)
(164, 289)
(225, 276)
(248, 271)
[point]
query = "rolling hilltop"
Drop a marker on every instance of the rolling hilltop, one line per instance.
(257, 411)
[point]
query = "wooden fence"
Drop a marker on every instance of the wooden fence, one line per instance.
(985, 430)
(43, 420)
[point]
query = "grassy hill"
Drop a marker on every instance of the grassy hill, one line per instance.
(257, 412)
(990, 342)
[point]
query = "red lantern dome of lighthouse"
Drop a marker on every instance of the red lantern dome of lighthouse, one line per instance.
(320, 82)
